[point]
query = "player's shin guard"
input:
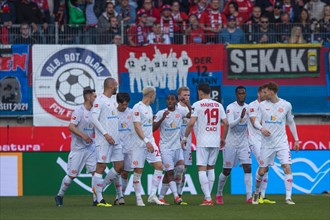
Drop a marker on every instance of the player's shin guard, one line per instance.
(221, 183)
(97, 183)
(288, 185)
(248, 185)
(155, 181)
(137, 184)
(204, 184)
(64, 185)
(263, 185)
(110, 177)
(211, 178)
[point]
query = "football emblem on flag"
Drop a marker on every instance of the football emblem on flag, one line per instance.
(71, 84)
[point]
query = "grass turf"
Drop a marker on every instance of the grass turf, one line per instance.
(80, 207)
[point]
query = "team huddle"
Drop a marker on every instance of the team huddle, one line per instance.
(104, 129)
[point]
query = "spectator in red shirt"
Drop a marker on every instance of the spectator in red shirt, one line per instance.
(199, 8)
(194, 32)
(153, 14)
(177, 14)
(167, 23)
(244, 10)
(138, 33)
(212, 21)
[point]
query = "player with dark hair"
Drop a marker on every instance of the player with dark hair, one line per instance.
(207, 114)
(274, 113)
(10, 90)
(169, 121)
(236, 148)
(82, 145)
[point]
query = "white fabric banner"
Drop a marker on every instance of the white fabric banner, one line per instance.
(60, 74)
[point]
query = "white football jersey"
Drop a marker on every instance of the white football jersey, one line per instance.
(254, 134)
(273, 117)
(82, 118)
(126, 129)
(209, 114)
(237, 135)
(143, 113)
(106, 110)
(185, 121)
(170, 129)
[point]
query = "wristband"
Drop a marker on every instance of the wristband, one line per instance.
(184, 138)
(146, 140)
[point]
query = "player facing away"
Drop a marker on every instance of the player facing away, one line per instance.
(255, 141)
(184, 97)
(274, 113)
(82, 145)
(169, 121)
(144, 146)
(126, 133)
(108, 148)
(237, 148)
(207, 114)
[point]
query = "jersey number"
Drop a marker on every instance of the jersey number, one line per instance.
(212, 116)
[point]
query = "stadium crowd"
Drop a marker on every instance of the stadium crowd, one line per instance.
(141, 22)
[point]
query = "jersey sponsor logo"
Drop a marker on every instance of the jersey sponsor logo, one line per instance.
(280, 110)
(210, 128)
(96, 105)
(136, 113)
(251, 109)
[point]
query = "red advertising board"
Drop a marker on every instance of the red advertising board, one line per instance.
(55, 139)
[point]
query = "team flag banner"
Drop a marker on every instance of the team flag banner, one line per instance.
(168, 67)
(273, 61)
(62, 72)
(15, 91)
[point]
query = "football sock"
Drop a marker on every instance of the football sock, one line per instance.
(163, 190)
(221, 183)
(204, 184)
(64, 185)
(124, 183)
(174, 189)
(263, 185)
(117, 182)
(109, 178)
(97, 183)
(211, 178)
(248, 185)
(136, 184)
(288, 185)
(258, 182)
(155, 181)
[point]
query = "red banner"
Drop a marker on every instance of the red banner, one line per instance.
(56, 139)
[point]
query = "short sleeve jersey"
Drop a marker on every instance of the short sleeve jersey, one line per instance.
(106, 110)
(82, 118)
(273, 117)
(143, 113)
(254, 134)
(237, 135)
(170, 129)
(126, 129)
(209, 114)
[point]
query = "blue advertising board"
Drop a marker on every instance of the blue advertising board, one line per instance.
(310, 170)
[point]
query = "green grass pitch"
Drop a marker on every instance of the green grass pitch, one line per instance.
(80, 207)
